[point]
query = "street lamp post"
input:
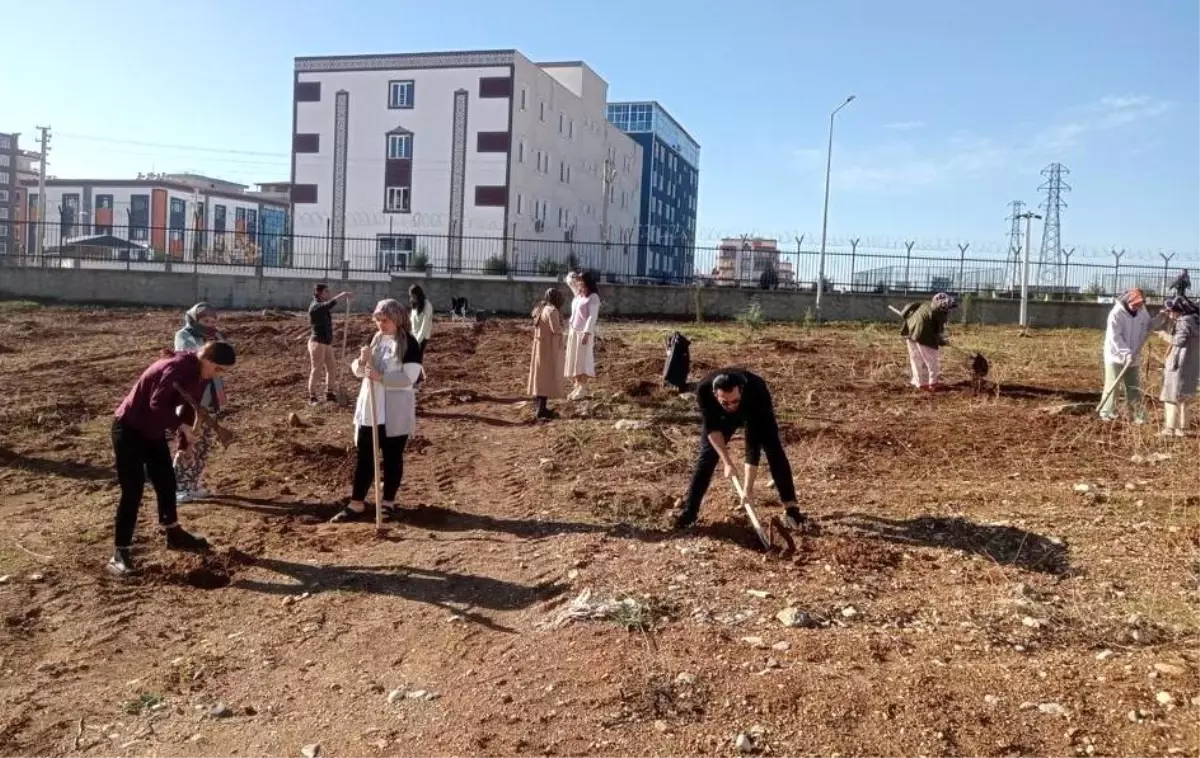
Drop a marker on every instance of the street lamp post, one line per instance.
(1024, 314)
(825, 213)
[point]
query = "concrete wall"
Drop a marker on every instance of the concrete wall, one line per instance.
(494, 294)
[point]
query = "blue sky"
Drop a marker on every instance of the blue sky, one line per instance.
(959, 104)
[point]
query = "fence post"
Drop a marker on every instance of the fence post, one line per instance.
(962, 259)
(1166, 264)
(853, 255)
(799, 257)
(1066, 271)
(908, 246)
(1117, 272)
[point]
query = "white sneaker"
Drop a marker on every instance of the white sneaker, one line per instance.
(1106, 417)
(183, 496)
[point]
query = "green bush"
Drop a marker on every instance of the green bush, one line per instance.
(495, 266)
(420, 261)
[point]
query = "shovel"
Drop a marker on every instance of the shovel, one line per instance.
(374, 440)
(1113, 388)
(741, 493)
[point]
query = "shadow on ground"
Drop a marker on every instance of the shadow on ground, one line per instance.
(69, 469)
(457, 593)
(1006, 545)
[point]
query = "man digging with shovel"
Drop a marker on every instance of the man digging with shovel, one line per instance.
(729, 399)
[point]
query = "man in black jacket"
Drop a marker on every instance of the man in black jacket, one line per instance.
(730, 399)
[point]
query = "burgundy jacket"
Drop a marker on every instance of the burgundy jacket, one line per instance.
(150, 406)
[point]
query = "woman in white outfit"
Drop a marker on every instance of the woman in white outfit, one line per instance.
(388, 367)
(581, 342)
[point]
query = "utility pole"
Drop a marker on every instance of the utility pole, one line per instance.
(44, 142)
(825, 212)
(1024, 313)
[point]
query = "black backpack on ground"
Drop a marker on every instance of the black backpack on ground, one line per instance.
(679, 361)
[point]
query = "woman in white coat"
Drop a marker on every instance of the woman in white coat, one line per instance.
(388, 368)
(581, 341)
(1126, 333)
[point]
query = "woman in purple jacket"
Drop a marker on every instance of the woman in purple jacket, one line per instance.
(154, 409)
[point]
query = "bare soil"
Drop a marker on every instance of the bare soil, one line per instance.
(960, 596)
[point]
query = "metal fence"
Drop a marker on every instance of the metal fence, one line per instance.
(858, 270)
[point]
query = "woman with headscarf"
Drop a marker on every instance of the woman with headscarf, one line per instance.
(580, 363)
(1127, 329)
(199, 328)
(924, 333)
(1181, 369)
(546, 378)
(388, 367)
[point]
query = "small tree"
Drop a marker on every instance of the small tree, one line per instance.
(752, 316)
(420, 261)
(547, 267)
(495, 266)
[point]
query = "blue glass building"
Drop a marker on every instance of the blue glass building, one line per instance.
(670, 180)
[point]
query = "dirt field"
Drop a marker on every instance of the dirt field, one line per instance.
(963, 595)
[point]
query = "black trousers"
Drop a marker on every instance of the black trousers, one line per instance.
(138, 457)
(392, 450)
(762, 435)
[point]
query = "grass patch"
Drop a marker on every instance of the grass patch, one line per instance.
(18, 306)
(142, 703)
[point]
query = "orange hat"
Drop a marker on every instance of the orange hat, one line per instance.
(1135, 298)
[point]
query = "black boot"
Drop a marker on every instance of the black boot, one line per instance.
(180, 539)
(541, 409)
(121, 563)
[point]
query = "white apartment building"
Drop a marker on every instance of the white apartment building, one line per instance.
(460, 157)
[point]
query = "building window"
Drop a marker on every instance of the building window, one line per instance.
(524, 97)
(306, 143)
(562, 171)
(4, 178)
(562, 123)
(68, 215)
(219, 219)
(520, 204)
(393, 253)
(495, 87)
(304, 193)
(3, 196)
(4, 159)
(491, 196)
(521, 151)
(542, 110)
(400, 94)
(4, 214)
(560, 217)
(5, 142)
(103, 217)
(397, 200)
(571, 129)
(308, 92)
(492, 142)
(399, 146)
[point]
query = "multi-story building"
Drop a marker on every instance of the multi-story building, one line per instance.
(743, 261)
(185, 218)
(461, 158)
(10, 152)
(670, 182)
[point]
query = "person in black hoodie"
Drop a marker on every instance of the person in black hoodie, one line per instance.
(730, 399)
